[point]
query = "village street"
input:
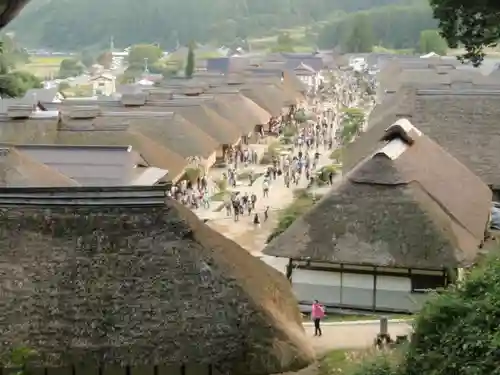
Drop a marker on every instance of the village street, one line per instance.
(244, 232)
(353, 334)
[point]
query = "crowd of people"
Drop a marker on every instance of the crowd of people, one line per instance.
(291, 167)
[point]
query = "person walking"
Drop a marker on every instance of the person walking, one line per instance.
(317, 314)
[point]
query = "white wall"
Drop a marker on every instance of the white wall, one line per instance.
(356, 290)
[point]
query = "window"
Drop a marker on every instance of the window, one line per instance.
(423, 283)
(101, 84)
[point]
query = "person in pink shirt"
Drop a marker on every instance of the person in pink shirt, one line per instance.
(317, 313)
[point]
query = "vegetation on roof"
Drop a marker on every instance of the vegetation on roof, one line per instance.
(303, 201)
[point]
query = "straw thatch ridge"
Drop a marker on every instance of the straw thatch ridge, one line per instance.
(396, 106)
(411, 206)
(141, 286)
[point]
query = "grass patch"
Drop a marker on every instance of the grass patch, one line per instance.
(220, 196)
(43, 66)
(302, 203)
(362, 361)
(273, 150)
(245, 175)
(48, 60)
(335, 362)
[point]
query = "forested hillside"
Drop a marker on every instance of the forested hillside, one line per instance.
(76, 24)
(393, 26)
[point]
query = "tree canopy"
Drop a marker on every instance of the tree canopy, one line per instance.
(190, 63)
(70, 68)
(140, 54)
(77, 25)
(471, 24)
(455, 333)
(284, 43)
(392, 26)
(14, 83)
(431, 41)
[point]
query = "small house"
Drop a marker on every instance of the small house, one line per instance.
(103, 84)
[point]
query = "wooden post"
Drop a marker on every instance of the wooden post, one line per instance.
(383, 326)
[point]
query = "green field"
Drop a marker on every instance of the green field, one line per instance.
(43, 66)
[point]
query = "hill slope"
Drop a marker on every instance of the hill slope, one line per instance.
(76, 24)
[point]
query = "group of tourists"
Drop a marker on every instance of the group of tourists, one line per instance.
(192, 195)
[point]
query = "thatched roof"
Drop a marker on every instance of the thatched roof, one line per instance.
(93, 131)
(410, 204)
(253, 113)
(394, 107)
(166, 128)
(192, 110)
(107, 276)
(463, 122)
(206, 119)
(17, 169)
(265, 98)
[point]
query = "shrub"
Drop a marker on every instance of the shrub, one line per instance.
(302, 203)
(192, 174)
(289, 131)
(221, 184)
(385, 363)
(459, 328)
(336, 155)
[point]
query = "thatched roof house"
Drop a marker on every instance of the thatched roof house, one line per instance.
(82, 126)
(409, 210)
(462, 121)
(411, 196)
(97, 277)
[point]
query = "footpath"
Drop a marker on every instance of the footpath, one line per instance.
(353, 334)
(244, 231)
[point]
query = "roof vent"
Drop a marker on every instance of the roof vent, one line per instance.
(19, 111)
(442, 68)
(235, 80)
(192, 91)
(134, 99)
(84, 112)
(462, 84)
(402, 129)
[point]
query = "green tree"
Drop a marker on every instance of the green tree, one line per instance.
(70, 68)
(431, 41)
(105, 59)
(140, 53)
(284, 43)
(15, 84)
(352, 124)
(471, 24)
(190, 63)
(460, 327)
(87, 59)
(360, 38)
(393, 27)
